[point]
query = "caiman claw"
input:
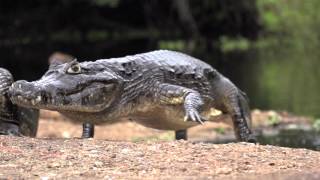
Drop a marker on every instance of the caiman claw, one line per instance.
(193, 115)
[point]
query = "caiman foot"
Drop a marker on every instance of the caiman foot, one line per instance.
(252, 139)
(10, 129)
(193, 115)
(181, 134)
(87, 131)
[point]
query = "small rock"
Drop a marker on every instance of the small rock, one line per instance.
(125, 151)
(98, 164)
(272, 164)
(93, 151)
(140, 154)
(183, 169)
(223, 170)
(66, 134)
(54, 164)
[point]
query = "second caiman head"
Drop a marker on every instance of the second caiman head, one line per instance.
(79, 87)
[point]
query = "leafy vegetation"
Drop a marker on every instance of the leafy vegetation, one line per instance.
(167, 136)
(316, 124)
(220, 130)
(269, 48)
(273, 119)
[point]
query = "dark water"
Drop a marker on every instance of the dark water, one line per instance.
(295, 138)
(283, 76)
(280, 78)
(285, 137)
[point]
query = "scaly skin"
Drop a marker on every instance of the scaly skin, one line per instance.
(160, 89)
(15, 120)
(60, 58)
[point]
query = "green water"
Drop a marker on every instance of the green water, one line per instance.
(280, 78)
(282, 68)
(295, 138)
(289, 79)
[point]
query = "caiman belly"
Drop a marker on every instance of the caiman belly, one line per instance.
(168, 117)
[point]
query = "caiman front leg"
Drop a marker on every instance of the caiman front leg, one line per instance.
(87, 130)
(178, 95)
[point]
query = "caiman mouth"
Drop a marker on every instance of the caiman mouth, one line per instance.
(84, 98)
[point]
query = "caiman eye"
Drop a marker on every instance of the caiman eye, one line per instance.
(74, 69)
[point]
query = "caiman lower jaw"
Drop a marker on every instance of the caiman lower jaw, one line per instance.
(35, 101)
(52, 104)
(26, 102)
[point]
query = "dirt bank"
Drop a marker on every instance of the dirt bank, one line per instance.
(77, 158)
(130, 151)
(53, 125)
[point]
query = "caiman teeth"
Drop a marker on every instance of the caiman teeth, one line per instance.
(36, 101)
(20, 98)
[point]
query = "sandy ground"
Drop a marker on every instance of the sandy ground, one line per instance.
(54, 125)
(130, 151)
(77, 158)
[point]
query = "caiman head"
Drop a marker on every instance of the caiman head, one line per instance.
(78, 87)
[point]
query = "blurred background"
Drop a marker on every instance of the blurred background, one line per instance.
(269, 48)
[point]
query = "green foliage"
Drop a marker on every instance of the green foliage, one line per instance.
(274, 119)
(316, 124)
(220, 130)
(290, 23)
(294, 19)
(269, 14)
(97, 35)
(287, 58)
(111, 3)
(169, 136)
(177, 45)
(66, 36)
(230, 44)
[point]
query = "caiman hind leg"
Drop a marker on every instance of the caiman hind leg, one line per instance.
(87, 130)
(181, 134)
(241, 117)
(178, 95)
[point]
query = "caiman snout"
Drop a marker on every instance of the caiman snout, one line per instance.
(21, 88)
(26, 93)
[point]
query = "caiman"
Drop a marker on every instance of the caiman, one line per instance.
(161, 89)
(15, 120)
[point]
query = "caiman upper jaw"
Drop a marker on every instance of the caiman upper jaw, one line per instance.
(23, 93)
(94, 97)
(27, 94)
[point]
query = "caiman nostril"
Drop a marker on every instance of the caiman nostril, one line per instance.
(22, 85)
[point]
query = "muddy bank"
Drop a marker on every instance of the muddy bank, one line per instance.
(77, 158)
(54, 125)
(128, 150)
